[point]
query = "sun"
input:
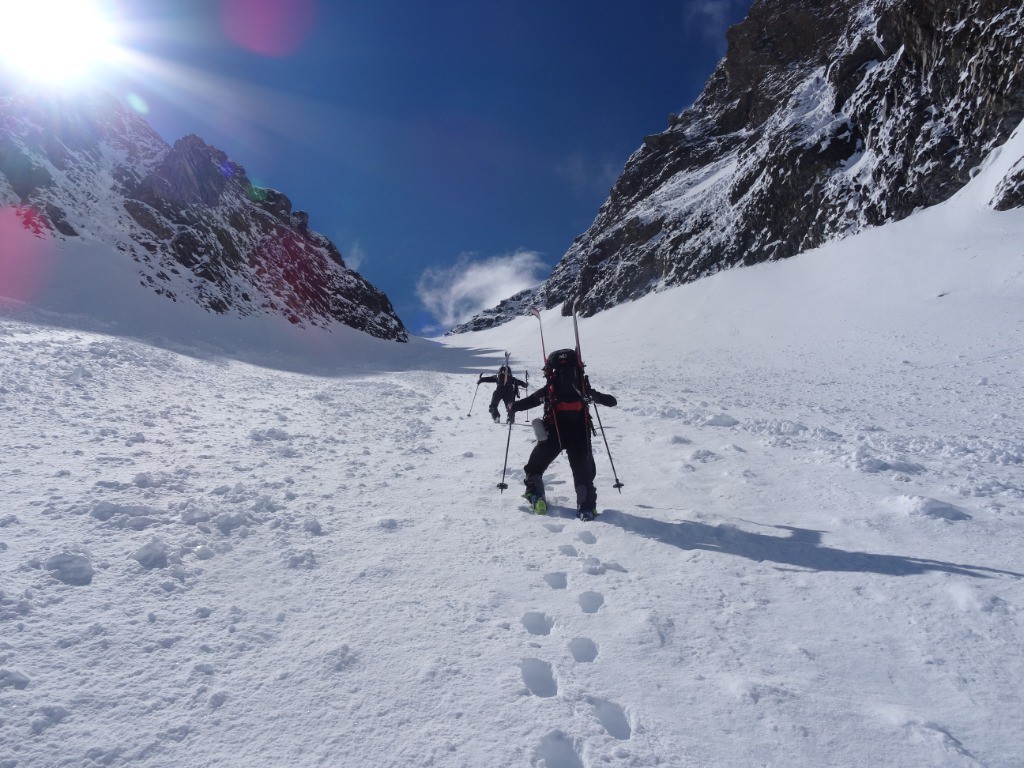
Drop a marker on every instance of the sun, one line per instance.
(54, 42)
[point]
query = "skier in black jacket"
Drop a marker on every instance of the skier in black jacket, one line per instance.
(507, 390)
(567, 425)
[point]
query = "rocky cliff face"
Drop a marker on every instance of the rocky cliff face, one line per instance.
(825, 117)
(189, 216)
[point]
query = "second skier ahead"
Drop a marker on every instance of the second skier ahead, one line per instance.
(506, 391)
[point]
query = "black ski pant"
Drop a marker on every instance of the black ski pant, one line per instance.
(496, 398)
(576, 442)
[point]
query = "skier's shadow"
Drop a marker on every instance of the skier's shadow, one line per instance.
(801, 548)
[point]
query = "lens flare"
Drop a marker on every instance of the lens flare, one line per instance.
(268, 27)
(26, 254)
(137, 103)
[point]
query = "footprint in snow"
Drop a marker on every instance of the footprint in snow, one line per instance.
(583, 649)
(557, 750)
(556, 580)
(538, 678)
(591, 602)
(537, 623)
(612, 717)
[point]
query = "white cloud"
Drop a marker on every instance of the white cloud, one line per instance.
(354, 256)
(453, 295)
(587, 175)
(712, 17)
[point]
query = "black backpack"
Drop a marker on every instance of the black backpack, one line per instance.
(564, 376)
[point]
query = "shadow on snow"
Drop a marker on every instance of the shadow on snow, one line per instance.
(801, 548)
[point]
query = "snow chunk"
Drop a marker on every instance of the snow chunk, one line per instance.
(922, 506)
(704, 456)
(48, 717)
(12, 678)
(778, 427)
(720, 420)
(128, 516)
(192, 514)
(228, 522)
(72, 569)
(302, 560)
(260, 435)
(152, 555)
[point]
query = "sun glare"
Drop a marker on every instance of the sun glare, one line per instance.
(54, 42)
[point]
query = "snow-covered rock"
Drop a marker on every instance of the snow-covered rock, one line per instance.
(824, 118)
(189, 219)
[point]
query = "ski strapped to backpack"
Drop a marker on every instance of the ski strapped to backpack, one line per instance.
(505, 372)
(536, 313)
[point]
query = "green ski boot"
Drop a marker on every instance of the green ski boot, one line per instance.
(537, 503)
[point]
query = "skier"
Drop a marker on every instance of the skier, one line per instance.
(507, 390)
(566, 425)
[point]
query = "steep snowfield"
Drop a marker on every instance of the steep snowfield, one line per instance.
(280, 549)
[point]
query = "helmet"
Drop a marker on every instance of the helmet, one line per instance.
(561, 359)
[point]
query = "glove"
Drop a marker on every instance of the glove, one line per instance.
(608, 400)
(514, 407)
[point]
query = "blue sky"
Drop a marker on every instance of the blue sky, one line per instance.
(452, 145)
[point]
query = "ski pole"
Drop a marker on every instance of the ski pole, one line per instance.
(503, 485)
(618, 483)
(527, 390)
(478, 383)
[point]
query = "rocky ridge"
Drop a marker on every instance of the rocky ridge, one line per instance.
(824, 118)
(189, 216)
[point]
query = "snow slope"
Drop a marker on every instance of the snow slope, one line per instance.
(270, 549)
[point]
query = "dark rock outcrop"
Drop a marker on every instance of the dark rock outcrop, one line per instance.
(1010, 193)
(513, 306)
(825, 117)
(187, 214)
